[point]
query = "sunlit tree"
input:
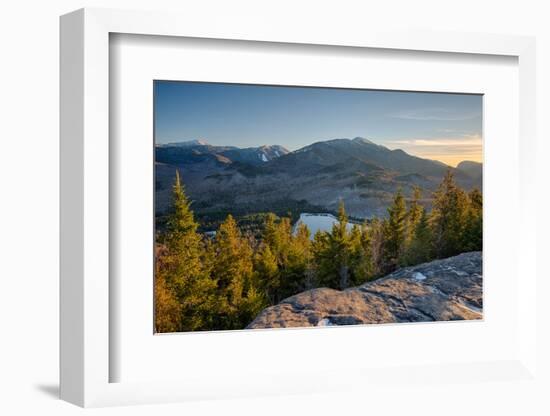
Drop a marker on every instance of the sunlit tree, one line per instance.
(421, 248)
(449, 216)
(238, 296)
(183, 270)
(473, 232)
(395, 233)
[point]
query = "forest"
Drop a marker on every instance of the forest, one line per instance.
(222, 282)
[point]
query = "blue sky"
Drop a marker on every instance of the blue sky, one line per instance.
(445, 127)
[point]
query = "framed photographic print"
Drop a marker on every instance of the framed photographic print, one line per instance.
(274, 212)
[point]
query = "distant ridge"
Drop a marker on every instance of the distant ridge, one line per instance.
(363, 140)
(187, 143)
(363, 174)
(199, 150)
(472, 169)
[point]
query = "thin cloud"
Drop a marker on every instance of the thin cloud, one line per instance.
(435, 114)
(447, 150)
(463, 140)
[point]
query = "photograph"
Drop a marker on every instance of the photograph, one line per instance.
(281, 206)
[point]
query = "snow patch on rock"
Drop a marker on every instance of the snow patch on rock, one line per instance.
(418, 276)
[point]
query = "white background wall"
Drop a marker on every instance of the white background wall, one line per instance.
(29, 185)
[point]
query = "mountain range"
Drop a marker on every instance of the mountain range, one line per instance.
(365, 175)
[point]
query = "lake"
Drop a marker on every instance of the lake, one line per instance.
(318, 222)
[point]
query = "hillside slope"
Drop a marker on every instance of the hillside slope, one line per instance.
(361, 173)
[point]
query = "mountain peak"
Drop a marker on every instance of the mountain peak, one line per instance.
(363, 140)
(273, 147)
(190, 143)
(269, 152)
(468, 163)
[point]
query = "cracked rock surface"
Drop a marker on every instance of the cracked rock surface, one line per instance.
(441, 290)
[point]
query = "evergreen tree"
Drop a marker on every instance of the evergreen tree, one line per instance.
(450, 210)
(267, 270)
(414, 213)
(376, 237)
(473, 233)
(420, 249)
(333, 253)
(342, 247)
(322, 261)
(297, 261)
(395, 233)
(183, 272)
(276, 239)
(167, 307)
(476, 200)
(302, 240)
(278, 234)
(252, 304)
(293, 256)
(269, 235)
(182, 240)
(362, 267)
(239, 297)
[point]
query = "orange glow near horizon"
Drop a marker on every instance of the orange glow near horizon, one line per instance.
(450, 151)
(453, 160)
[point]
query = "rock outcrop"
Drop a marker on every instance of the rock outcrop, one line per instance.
(441, 290)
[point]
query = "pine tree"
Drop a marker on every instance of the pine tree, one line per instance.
(450, 209)
(232, 266)
(395, 229)
(167, 307)
(362, 267)
(267, 271)
(239, 298)
(292, 253)
(182, 240)
(278, 234)
(414, 213)
(476, 200)
(269, 235)
(182, 268)
(302, 240)
(376, 237)
(341, 246)
(473, 233)
(297, 261)
(322, 261)
(252, 304)
(420, 249)
(333, 253)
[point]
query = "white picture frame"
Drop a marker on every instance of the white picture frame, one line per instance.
(86, 349)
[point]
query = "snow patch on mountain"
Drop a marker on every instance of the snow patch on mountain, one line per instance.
(189, 143)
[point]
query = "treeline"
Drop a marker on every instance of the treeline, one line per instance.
(224, 282)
